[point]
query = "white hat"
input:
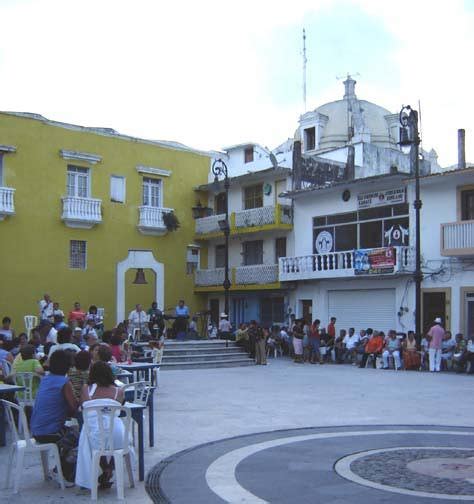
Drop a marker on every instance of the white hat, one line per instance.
(438, 320)
(223, 315)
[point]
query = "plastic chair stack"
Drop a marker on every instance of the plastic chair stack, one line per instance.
(30, 322)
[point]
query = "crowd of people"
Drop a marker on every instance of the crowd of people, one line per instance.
(313, 343)
(75, 364)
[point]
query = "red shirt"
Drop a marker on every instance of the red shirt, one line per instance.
(374, 345)
(331, 330)
(77, 315)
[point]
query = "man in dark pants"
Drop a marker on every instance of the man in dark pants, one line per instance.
(252, 338)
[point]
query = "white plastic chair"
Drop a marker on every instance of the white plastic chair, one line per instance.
(27, 444)
(103, 418)
(25, 397)
(157, 355)
(100, 313)
(141, 392)
(30, 322)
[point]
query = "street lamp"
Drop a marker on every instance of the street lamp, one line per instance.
(410, 138)
(219, 168)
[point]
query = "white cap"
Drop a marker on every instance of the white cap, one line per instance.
(223, 315)
(438, 320)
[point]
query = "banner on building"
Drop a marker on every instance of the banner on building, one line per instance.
(376, 261)
(381, 198)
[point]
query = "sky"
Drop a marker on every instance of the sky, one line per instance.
(215, 73)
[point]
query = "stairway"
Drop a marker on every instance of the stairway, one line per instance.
(203, 354)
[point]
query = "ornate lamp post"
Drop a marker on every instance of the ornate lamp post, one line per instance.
(219, 169)
(410, 139)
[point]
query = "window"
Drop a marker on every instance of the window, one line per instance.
(192, 260)
(467, 205)
(152, 192)
(253, 252)
(272, 311)
(220, 256)
(117, 189)
(248, 155)
(310, 138)
(386, 226)
(1, 169)
(77, 182)
(77, 254)
(280, 248)
(253, 196)
(220, 203)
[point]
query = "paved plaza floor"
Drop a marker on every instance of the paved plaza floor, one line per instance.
(299, 433)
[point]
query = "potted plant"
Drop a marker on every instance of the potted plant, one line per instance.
(171, 221)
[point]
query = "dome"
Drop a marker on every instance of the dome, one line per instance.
(351, 120)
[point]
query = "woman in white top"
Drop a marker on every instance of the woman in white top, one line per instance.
(100, 391)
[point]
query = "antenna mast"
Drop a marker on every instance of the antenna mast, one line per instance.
(304, 69)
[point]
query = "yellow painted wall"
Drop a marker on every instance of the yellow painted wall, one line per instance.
(34, 243)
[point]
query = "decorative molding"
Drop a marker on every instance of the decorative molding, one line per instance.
(7, 148)
(150, 170)
(80, 156)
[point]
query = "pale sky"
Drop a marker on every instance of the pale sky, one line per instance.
(212, 73)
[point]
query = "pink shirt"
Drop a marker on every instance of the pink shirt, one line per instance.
(437, 334)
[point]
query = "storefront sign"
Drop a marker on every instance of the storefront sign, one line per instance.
(381, 198)
(374, 261)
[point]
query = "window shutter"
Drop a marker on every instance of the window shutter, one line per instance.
(117, 189)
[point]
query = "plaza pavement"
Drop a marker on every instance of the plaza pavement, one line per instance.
(199, 406)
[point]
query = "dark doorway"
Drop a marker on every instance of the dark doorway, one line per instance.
(307, 311)
(214, 308)
(434, 305)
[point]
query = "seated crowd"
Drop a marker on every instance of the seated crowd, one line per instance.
(73, 364)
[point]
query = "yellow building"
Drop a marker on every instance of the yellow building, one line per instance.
(82, 208)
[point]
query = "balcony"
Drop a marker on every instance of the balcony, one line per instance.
(256, 274)
(457, 238)
(259, 276)
(151, 220)
(7, 205)
(209, 225)
(81, 212)
(350, 263)
(265, 218)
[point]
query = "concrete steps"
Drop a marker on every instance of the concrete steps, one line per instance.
(203, 354)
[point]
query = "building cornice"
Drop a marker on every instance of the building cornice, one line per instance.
(80, 156)
(150, 170)
(7, 148)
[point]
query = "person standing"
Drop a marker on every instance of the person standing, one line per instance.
(252, 332)
(157, 321)
(315, 339)
(225, 327)
(76, 316)
(331, 329)
(137, 319)
(436, 335)
(260, 346)
(181, 323)
(46, 308)
(298, 335)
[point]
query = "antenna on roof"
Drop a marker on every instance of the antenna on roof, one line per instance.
(305, 60)
(421, 124)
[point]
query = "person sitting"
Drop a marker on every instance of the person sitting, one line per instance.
(6, 331)
(64, 342)
(89, 329)
(157, 320)
(76, 316)
(193, 329)
(99, 391)
(57, 310)
(54, 402)
(468, 357)
(16, 344)
(373, 348)
(98, 323)
(447, 349)
(58, 321)
(411, 356)
(103, 353)
(242, 337)
(79, 373)
(392, 349)
(116, 348)
(459, 352)
(339, 347)
(28, 364)
(351, 342)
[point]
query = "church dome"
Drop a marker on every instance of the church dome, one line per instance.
(351, 120)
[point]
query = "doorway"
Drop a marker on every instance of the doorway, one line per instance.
(307, 310)
(466, 324)
(214, 309)
(436, 303)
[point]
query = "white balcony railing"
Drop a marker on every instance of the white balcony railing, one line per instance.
(209, 277)
(338, 265)
(256, 274)
(81, 212)
(151, 221)
(7, 205)
(255, 217)
(206, 225)
(457, 238)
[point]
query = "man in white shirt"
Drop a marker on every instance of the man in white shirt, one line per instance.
(138, 319)
(351, 342)
(225, 327)
(64, 342)
(46, 308)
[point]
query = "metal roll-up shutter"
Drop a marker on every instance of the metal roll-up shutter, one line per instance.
(363, 308)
